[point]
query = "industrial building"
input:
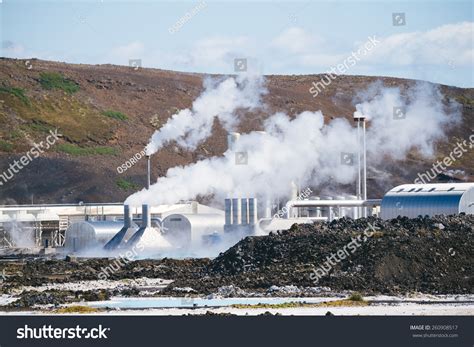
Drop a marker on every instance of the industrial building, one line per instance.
(413, 200)
(46, 226)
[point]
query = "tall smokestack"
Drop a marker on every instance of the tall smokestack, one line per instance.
(236, 211)
(244, 211)
(228, 211)
(148, 175)
(361, 161)
(252, 211)
(364, 189)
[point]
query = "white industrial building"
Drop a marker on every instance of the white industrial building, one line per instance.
(48, 225)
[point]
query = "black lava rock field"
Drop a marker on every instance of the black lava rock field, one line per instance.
(427, 255)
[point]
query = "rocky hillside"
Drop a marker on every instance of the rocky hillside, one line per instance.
(107, 113)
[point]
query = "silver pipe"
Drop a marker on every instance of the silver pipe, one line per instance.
(364, 182)
(252, 211)
(228, 211)
(244, 211)
(146, 216)
(236, 212)
(127, 216)
(331, 203)
(358, 161)
(148, 177)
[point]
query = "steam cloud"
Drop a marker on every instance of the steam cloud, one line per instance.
(302, 149)
(219, 100)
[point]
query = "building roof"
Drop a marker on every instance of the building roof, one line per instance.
(433, 188)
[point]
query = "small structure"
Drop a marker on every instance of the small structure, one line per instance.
(183, 230)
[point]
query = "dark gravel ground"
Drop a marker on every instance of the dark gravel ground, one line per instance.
(428, 255)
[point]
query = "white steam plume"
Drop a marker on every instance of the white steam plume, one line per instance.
(305, 150)
(398, 125)
(219, 100)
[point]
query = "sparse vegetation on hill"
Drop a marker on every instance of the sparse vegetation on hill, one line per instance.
(126, 185)
(54, 80)
(5, 146)
(18, 92)
(79, 151)
(115, 115)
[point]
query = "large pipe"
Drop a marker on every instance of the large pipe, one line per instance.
(252, 211)
(364, 181)
(115, 241)
(244, 211)
(331, 203)
(359, 167)
(148, 176)
(268, 208)
(146, 216)
(361, 162)
(127, 216)
(228, 211)
(236, 212)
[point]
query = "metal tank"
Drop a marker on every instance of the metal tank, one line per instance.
(182, 230)
(88, 234)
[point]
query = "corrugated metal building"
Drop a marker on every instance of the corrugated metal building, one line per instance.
(413, 200)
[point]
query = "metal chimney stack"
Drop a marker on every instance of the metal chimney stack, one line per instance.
(146, 216)
(127, 216)
(361, 160)
(228, 211)
(236, 211)
(148, 176)
(252, 202)
(244, 211)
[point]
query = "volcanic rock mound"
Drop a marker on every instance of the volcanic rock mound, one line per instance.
(430, 255)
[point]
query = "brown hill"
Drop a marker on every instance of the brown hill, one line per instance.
(107, 113)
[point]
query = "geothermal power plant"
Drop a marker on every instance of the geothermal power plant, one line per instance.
(102, 229)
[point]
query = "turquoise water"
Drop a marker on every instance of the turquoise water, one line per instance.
(172, 302)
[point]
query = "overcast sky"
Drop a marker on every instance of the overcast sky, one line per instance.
(427, 40)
